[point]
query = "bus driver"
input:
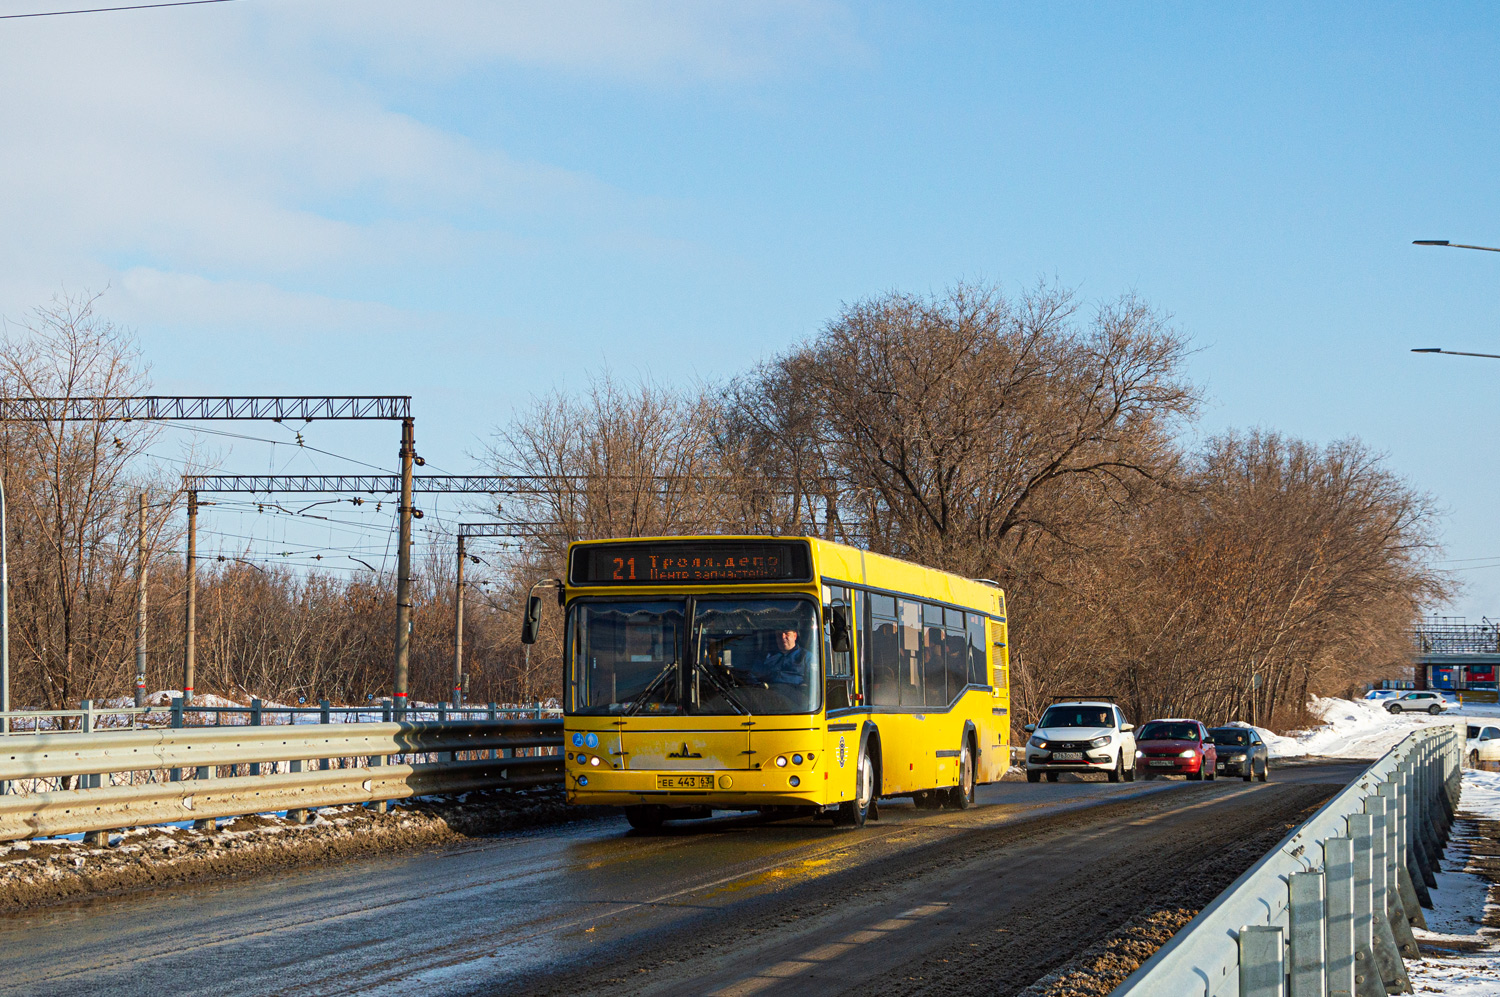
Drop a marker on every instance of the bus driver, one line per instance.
(786, 665)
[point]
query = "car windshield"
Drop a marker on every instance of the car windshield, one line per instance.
(737, 657)
(1078, 716)
(1158, 730)
(1230, 736)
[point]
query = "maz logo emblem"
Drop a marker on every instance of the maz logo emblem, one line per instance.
(684, 753)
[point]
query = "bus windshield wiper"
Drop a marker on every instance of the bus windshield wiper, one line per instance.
(723, 687)
(639, 701)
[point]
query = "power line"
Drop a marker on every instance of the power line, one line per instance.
(106, 10)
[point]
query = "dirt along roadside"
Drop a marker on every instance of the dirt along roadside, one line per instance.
(41, 872)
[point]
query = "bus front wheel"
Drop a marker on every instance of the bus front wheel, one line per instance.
(854, 813)
(645, 818)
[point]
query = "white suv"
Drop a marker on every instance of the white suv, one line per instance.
(1483, 744)
(1081, 736)
(1416, 702)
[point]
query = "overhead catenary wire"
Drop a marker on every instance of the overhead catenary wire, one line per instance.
(108, 10)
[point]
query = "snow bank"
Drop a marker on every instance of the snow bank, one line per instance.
(1459, 905)
(1351, 728)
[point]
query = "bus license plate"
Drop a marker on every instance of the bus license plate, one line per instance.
(1068, 756)
(684, 782)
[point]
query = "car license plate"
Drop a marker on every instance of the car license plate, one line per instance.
(1164, 762)
(684, 782)
(1222, 766)
(1068, 756)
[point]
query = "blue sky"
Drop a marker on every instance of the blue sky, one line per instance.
(469, 201)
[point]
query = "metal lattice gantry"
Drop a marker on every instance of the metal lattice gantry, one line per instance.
(162, 408)
(272, 408)
(369, 484)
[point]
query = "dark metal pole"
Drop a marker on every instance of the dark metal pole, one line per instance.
(140, 604)
(403, 570)
(192, 599)
(4, 622)
(458, 628)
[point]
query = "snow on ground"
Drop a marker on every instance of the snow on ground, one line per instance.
(1455, 922)
(1351, 728)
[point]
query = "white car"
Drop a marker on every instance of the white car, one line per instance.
(1426, 701)
(1483, 744)
(1081, 736)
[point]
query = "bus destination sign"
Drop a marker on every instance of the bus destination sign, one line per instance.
(691, 562)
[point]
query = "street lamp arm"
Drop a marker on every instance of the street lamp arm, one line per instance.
(1457, 353)
(1452, 245)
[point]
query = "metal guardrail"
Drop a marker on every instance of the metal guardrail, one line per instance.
(90, 718)
(1329, 911)
(67, 782)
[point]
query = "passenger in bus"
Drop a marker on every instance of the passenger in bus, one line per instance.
(786, 666)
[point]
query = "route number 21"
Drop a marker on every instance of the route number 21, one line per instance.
(622, 565)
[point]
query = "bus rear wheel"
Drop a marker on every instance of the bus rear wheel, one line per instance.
(961, 797)
(854, 813)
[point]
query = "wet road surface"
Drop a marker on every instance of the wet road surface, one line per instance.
(984, 900)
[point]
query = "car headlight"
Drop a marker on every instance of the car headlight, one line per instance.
(1099, 742)
(1037, 742)
(1188, 753)
(1140, 754)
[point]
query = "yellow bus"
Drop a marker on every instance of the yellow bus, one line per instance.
(788, 675)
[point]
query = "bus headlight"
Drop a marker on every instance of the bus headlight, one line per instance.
(583, 780)
(796, 759)
(781, 761)
(795, 782)
(594, 760)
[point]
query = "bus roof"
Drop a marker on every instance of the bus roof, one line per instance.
(837, 562)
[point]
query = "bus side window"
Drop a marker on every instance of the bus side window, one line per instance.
(884, 653)
(909, 676)
(978, 670)
(957, 657)
(840, 676)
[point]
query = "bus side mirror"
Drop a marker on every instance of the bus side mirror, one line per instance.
(531, 619)
(838, 624)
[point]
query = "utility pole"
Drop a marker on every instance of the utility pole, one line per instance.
(4, 624)
(458, 628)
(190, 630)
(140, 604)
(403, 570)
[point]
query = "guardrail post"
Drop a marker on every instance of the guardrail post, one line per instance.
(1262, 961)
(324, 716)
(1399, 856)
(256, 711)
(493, 713)
(1338, 867)
(1385, 908)
(176, 720)
(1368, 980)
(1416, 852)
(86, 726)
(1305, 913)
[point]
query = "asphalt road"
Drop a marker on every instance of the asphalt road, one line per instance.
(985, 900)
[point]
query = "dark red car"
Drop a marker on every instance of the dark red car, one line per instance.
(1175, 747)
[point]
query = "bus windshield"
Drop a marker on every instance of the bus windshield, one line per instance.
(738, 657)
